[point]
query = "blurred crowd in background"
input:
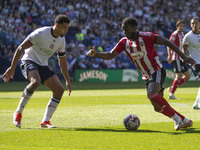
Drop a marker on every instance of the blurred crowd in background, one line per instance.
(93, 22)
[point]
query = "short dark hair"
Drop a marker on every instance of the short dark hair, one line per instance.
(180, 22)
(129, 21)
(60, 19)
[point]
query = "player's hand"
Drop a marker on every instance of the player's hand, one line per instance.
(8, 74)
(69, 88)
(169, 59)
(189, 60)
(92, 52)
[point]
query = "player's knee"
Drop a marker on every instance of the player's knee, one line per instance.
(151, 95)
(35, 84)
(187, 77)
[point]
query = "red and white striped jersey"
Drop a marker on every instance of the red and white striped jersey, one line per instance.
(141, 52)
(177, 39)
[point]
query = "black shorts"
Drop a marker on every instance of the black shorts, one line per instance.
(196, 70)
(179, 66)
(159, 77)
(44, 71)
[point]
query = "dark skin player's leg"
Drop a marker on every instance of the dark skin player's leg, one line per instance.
(54, 84)
(34, 78)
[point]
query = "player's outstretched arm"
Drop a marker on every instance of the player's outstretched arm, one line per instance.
(9, 74)
(163, 41)
(169, 58)
(102, 55)
(92, 52)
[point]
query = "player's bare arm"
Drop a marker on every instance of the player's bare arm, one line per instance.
(163, 41)
(169, 58)
(64, 69)
(17, 55)
(102, 55)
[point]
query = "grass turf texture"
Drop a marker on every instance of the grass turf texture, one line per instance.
(93, 119)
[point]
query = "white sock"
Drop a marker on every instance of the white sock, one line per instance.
(197, 98)
(50, 109)
(23, 101)
(186, 120)
(176, 118)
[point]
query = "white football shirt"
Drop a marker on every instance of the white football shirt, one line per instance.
(44, 46)
(193, 41)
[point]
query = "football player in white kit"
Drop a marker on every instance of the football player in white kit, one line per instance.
(191, 46)
(38, 47)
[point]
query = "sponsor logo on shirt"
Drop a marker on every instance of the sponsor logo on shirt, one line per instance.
(142, 44)
(52, 46)
(137, 55)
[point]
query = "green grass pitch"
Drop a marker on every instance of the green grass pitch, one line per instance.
(93, 119)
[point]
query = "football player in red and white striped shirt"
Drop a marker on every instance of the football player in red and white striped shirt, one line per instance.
(179, 67)
(139, 47)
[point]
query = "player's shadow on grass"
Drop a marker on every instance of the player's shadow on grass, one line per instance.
(105, 130)
(114, 130)
(186, 131)
(182, 131)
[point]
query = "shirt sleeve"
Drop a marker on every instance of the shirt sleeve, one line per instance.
(175, 39)
(154, 37)
(120, 46)
(149, 37)
(186, 40)
(61, 49)
(34, 37)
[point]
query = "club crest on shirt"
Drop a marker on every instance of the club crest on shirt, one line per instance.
(141, 43)
(137, 55)
(52, 46)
